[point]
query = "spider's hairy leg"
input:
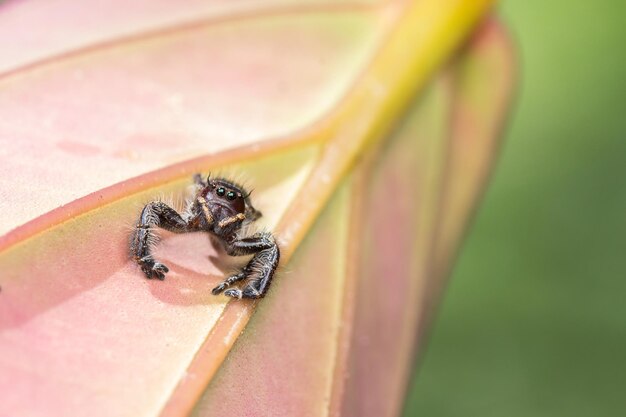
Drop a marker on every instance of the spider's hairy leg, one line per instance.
(228, 282)
(154, 214)
(259, 271)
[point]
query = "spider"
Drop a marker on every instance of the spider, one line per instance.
(220, 207)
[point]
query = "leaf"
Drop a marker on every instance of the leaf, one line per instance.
(365, 278)
(308, 103)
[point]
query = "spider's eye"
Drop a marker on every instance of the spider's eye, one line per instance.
(231, 196)
(220, 191)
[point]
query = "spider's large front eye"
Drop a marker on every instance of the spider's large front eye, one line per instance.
(220, 191)
(231, 196)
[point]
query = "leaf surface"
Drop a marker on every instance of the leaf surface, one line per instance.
(314, 105)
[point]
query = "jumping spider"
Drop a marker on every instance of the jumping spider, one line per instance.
(219, 207)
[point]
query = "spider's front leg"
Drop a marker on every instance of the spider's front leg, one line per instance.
(259, 271)
(154, 214)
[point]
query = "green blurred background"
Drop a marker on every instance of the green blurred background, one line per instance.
(534, 320)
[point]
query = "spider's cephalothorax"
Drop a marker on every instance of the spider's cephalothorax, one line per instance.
(221, 208)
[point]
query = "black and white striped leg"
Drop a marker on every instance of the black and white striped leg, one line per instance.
(228, 282)
(259, 271)
(155, 214)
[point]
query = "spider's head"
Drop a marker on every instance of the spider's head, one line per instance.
(225, 199)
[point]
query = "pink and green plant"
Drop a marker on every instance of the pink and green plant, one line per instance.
(367, 129)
